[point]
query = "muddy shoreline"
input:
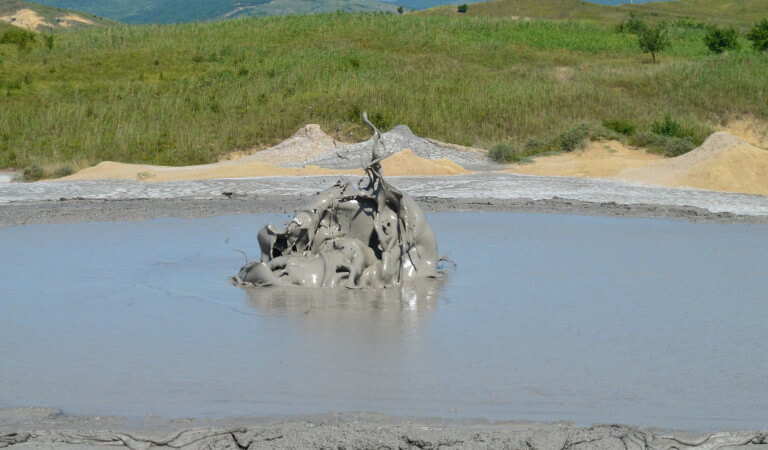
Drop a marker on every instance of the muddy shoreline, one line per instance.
(109, 210)
(51, 428)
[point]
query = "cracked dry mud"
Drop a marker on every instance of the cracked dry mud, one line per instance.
(349, 431)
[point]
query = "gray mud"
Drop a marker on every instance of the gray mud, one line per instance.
(111, 210)
(354, 156)
(26, 428)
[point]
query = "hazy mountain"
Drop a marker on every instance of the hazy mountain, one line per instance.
(172, 11)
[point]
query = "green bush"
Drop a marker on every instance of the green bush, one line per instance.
(671, 128)
(634, 24)
(663, 144)
(719, 39)
(463, 8)
(574, 139)
(758, 34)
(507, 153)
(62, 172)
(32, 173)
(18, 37)
(620, 126)
(49, 39)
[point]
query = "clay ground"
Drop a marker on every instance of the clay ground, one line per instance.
(21, 429)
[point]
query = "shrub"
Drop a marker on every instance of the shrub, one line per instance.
(48, 39)
(19, 37)
(463, 8)
(634, 24)
(653, 40)
(620, 126)
(758, 34)
(506, 153)
(671, 128)
(62, 172)
(663, 144)
(719, 39)
(399, 9)
(32, 173)
(574, 139)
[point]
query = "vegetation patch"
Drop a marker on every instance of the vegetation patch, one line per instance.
(186, 94)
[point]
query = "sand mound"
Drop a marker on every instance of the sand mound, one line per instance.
(598, 160)
(406, 163)
(308, 143)
(750, 130)
(403, 163)
(26, 18)
(723, 163)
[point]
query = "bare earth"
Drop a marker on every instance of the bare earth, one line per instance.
(36, 428)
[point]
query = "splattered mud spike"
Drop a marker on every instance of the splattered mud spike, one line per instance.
(370, 237)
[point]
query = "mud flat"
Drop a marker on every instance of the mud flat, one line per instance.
(50, 428)
(109, 200)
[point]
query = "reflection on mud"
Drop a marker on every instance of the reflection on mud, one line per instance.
(419, 296)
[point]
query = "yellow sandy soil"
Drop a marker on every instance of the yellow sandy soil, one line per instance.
(70, 20)
(723, 163)
(598, 160)
(26, 18)
(403, 163)
(750, 130)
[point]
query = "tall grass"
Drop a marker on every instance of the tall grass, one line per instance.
(185, 94)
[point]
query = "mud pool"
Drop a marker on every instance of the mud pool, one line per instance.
(548, 317)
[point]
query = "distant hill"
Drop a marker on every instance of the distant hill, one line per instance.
(734, 12)
(739, 13)
(174, 11)
(32, 16)
(424, 4)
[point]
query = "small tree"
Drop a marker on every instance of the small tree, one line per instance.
(49, 39)
(399, 9)
(758, 34)
(462, 8)
(654, 39)
(719, 39)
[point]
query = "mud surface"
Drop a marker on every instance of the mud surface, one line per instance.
(86, 210)
(50, 428)
(547, 317)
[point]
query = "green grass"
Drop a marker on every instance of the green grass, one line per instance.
(185, 94)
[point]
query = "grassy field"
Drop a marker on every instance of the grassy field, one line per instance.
(183, 94)
(737, 13)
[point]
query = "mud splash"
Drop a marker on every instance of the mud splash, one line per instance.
(370, 236)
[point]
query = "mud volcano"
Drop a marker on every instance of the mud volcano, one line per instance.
(368, 236)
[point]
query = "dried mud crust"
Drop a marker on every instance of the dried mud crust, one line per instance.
(49, 428)
(87, 210)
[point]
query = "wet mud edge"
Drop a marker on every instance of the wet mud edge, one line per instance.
(105, 210)
(50, 428)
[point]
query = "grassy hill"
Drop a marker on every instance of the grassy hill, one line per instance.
(37, 17)
(176, 11)
(739, 13)
(182, 94)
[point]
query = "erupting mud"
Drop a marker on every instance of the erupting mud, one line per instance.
(370, 236)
